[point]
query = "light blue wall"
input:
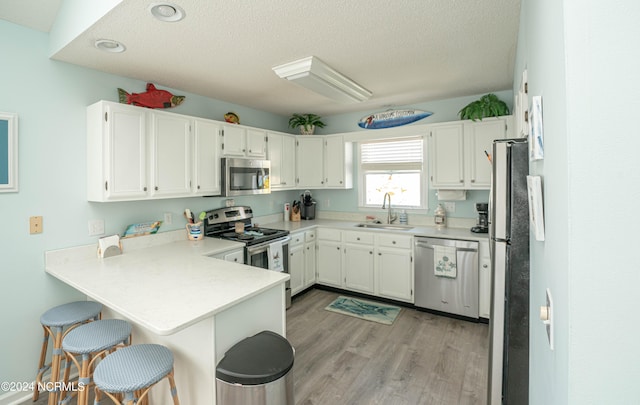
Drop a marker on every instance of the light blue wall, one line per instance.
(580, 60)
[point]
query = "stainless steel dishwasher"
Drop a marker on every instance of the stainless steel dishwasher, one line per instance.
(454, 290)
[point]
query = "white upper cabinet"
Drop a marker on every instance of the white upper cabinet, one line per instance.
(338, 162)
(256, 143)
(457, 152)
(239, 141)
(135, 153)
(116, 152)
(447, 156)
(281, 152)
(206, 158)
(324, 162)
(170, 152)
(310, 162)
(479, 137)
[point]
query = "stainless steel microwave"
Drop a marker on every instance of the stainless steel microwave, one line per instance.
(245, 176)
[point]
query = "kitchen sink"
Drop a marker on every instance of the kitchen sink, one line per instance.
(391, 227)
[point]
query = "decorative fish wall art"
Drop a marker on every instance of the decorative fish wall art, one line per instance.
(392, 118)
(152, 98)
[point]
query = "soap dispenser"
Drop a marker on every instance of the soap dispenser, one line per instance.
(439, 217)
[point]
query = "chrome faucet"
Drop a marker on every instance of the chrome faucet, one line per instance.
(390, 218)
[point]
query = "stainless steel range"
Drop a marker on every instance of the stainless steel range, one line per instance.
(224, 222)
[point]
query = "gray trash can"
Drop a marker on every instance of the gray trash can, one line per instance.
(256, 371)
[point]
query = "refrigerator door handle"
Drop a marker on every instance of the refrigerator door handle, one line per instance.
(500, 196)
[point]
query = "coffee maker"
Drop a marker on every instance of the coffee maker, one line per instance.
(482, 224)
(307, 206)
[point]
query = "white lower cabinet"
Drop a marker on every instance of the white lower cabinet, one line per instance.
(236, 255)
(358, 262)
(302, 260)
(394, 263)
(484, 280)
(309, 258)
(361, 261)
(329, 257)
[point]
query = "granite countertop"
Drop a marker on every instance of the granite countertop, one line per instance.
(164, 288)
(417, 230)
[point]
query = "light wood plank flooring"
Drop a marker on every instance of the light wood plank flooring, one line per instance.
(421, 359)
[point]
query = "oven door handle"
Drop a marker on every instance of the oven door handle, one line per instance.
(262, 247)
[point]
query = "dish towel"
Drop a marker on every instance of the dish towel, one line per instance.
(276, 262)
(444, 261)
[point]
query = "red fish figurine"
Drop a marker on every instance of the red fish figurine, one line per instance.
(152, 98)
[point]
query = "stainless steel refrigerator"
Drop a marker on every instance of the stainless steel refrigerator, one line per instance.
(509, 240)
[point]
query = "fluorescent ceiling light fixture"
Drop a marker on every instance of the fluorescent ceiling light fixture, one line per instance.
(167, 12)
(109, 45)
(315, 75)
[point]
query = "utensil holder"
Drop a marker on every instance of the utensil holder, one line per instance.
(194, 231)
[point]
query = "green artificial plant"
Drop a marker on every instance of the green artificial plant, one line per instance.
(488, 105)
(306, 122)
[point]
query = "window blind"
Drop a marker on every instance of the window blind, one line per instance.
(401, 154)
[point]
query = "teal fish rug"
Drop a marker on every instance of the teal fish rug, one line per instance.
(367, 310)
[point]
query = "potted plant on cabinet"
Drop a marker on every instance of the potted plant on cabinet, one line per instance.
(488, 105)
(306, 122)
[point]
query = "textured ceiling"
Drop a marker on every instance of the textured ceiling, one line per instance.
(404, 51)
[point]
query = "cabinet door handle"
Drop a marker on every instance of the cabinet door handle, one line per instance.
(394, 242)
(156, 188)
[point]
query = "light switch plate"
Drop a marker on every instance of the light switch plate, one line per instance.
(450, 207)
(96, 227)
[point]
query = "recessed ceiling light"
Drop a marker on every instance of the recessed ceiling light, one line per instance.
(109, 45)
(167, 12)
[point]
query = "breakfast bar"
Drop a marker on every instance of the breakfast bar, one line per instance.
(176, 294)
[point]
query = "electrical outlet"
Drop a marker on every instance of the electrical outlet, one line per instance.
(450, 207)
(96, 227)
(327, 203)
(35, 225)
(230, 202)
(168, 218)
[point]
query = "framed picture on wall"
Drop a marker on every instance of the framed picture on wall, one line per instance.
(8, 152)
(536, 129)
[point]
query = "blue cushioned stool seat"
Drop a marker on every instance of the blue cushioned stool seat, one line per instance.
(54, 321)
(91, 341)
(134, 368)
(71, 313)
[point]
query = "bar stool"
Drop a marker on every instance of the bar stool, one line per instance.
(54, 322)
(91, 341)
(133, 371)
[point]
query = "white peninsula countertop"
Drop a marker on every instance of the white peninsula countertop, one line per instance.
(166, 287)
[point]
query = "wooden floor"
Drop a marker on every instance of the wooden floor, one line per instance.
(421, 359)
